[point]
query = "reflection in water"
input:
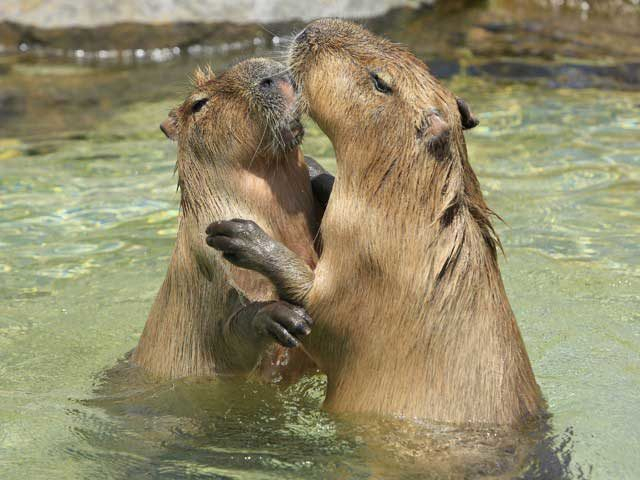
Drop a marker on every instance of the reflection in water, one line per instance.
(224, 426)
(230, 427)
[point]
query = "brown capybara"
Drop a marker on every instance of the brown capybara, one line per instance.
(411, 315)
(238, 155)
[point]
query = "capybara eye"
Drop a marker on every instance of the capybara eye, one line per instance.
(380, 84)
(196, 107)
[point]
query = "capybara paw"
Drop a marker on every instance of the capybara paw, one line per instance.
(242, 242)
(283, 322)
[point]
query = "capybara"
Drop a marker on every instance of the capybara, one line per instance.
(411, 315)
(238, 141)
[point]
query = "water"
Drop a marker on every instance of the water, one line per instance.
(88, 211)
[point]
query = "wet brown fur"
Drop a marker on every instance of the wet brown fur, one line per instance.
(231, 163)
(411, 313)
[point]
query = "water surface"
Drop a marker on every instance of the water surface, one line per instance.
(88, 210)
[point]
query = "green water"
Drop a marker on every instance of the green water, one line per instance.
(88, 210)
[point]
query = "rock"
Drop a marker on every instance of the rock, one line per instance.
(90, 13)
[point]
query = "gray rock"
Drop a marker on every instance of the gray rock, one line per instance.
(90, 13)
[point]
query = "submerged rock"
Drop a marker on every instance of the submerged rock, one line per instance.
(565, 75)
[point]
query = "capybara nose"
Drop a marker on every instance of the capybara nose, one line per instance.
(279, 84)
(267, 83)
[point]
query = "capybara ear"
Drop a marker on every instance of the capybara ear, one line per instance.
(468, 118)
(203, 75)
(170, 125)
(434, 130)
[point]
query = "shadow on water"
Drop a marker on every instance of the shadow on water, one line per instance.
(230, 428)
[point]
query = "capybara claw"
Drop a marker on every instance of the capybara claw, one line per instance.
(242, 243)
(283, 322)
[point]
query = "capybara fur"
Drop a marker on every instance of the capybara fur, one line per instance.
(238, 156)
(411, 314)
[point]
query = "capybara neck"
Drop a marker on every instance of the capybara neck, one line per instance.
(434, 329)
(182, 330)
(207, 184)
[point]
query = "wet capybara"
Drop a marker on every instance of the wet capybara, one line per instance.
(238, 141)
(411, 315)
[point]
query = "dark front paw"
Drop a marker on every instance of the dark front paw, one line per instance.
(242, 242)
(282, 322)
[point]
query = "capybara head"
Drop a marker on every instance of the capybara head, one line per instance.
(248, 109)
(351, 79)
